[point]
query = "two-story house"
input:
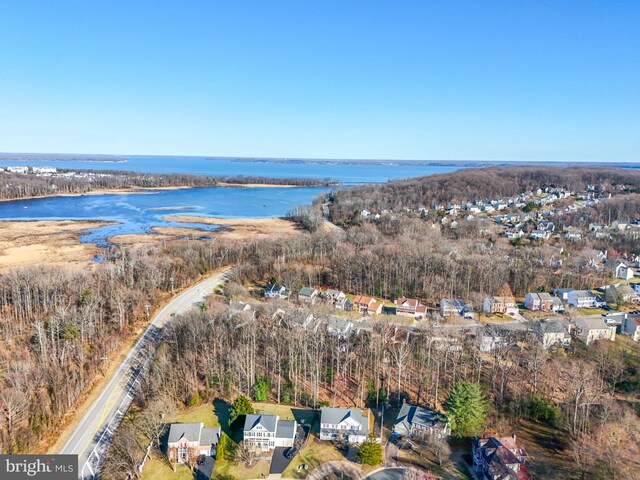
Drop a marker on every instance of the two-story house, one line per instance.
(541, 301)
(499, 458)
(336, 298)
(187, 441)
(591, 329)
(308, 295)
(410, 307)
(349, 423)
(581, 299)
(276, 291)
(451, 308)
(263, 433)
(552, 333)
(623, 271)
(493, 305)
(413, 420)
(368, 305)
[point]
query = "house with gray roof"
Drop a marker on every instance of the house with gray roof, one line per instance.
(552, 333)
(308, 295)
(350, 423)
(276, 291)
(414, 420)
(339, 327)
(263, 433)
(590, 329)
(187, 441)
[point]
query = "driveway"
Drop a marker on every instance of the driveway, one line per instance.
(278, 461)
(391, 454)
(205, 470)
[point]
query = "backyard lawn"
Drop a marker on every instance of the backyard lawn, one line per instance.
(202, 413)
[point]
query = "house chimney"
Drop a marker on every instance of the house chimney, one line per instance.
(513, 435)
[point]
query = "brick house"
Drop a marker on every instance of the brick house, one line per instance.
(187, 441)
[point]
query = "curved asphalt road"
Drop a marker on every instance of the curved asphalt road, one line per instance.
(92, 435)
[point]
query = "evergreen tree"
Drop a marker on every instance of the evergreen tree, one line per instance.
(466, 408)
(221, 449)
(241, 406)
(261, 390)
(370, 452)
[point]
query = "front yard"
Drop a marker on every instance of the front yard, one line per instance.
(157, 468)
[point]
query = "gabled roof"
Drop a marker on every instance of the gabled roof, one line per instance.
(210, 436)
(336, 416)
(414, 415)
(190, 431)
(410, 302)
(268, 422)
(307, 291)
(363, 299)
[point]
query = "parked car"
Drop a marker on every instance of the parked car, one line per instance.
(289, 453)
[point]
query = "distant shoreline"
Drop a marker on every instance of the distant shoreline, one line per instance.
(151, 190)
(468, 163)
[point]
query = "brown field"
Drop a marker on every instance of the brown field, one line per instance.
(45, 242)
(242, 227)
(236, 228)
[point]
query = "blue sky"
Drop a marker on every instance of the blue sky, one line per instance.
(492, 80)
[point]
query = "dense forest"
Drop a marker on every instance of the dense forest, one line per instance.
(18, 185)
(59, 324)
(472, 184)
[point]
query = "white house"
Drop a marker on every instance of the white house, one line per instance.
(552, 333)
(276, 291)
(591, 329)
(451, 308)
(624, 272)
(581, 299)
(540, 234)
(631, 326)
(266, 432)
(352, 423)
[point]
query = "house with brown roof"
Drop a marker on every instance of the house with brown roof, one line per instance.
(367, 305)
(499, 459)
(410, 307)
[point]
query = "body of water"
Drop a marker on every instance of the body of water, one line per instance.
(229, 167)
(138, 213)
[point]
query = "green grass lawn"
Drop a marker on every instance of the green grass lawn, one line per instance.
(203, 413)
(157, 469)
(315, 453)
(591, 311)
(226, 469)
